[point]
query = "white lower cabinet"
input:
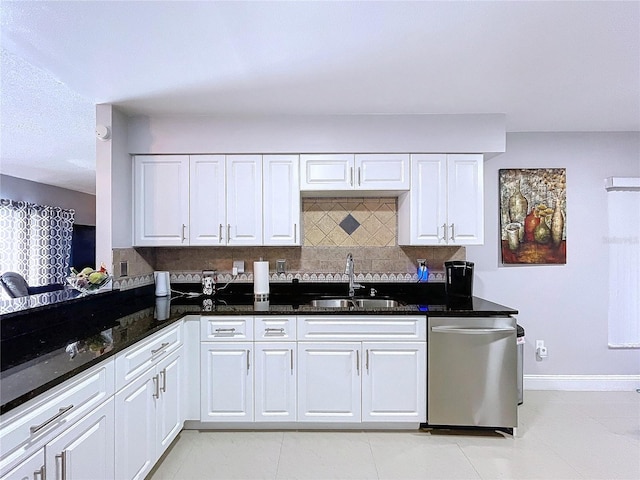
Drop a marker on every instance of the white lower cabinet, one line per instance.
(329, 382)
(149, 416)
(31, 468)
(85, 450)
(227, 376)
(394, 382)
(275, 382)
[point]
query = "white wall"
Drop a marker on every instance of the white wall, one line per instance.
(564, 305)
(478, 133)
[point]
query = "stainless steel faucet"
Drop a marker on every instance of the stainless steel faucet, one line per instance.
(349, 271)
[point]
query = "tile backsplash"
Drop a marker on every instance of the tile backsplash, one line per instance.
(333, 227)
(350, 222)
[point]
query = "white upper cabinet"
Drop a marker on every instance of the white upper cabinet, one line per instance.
(182, 200)
(161, 200)
(207, 200)
(382, 171)
(445, 205)
(281, 199)
(344, 172)
(244, 200)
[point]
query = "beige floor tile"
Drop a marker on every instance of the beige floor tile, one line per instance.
(326, 455)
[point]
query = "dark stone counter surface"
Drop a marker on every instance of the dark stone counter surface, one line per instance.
(47, 340)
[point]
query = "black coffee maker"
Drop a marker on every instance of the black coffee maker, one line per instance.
(459, 280)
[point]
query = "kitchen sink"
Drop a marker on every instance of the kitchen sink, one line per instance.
(371, 302)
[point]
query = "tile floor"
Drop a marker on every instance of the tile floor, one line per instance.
(561, 435)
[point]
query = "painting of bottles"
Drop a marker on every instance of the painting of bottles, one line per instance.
(533, 216)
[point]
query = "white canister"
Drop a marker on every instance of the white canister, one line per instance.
(163, 285)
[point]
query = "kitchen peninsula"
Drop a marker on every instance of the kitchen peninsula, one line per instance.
(109, 357)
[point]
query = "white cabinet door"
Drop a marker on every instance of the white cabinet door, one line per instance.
(169, 412)
(31, 468)
(161, 200)
(135, 444)
(86, 449)
(281, 199)
(244, 199)
(382, 171)
(326, 172)
(465, 199)
(275, 382)
(329, 382)
(394, 382)
(445, 203)
(207, 199)
(227, 376)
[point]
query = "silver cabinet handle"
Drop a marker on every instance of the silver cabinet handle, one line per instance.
(453, 233)
(160, 348)
(61, 412)
(274, 331)
(444, 233)
(156, 387)
(358, 362)
(40, 473)
(472, 331)
(248, 361)
(359, 177)
(291, 352)
(295, 233)
(184, 237)
(63, 464)
(351, 176)
(228, 232)
(367, 360)
(220, 234)
(225, 330)
(163, 375)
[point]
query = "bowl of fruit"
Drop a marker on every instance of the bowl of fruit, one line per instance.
(88, 280)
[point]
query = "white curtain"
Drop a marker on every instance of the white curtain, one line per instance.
(35, 241)
(624, 268)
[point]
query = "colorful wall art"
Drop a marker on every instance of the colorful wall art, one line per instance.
(533, 216)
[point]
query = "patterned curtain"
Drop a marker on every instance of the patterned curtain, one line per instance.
(35, 241)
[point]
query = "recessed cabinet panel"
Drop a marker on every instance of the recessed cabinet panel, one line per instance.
(244, 200)
(329, 382)
(275, 382)
(161, 200)
(326, 172)
(394, 382)
(227, 373)
(382, 171)
(207, 200)
(465, 199)
(281, 199)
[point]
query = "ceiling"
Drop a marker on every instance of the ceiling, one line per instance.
(549, 66)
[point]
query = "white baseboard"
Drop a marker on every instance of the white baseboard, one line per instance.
(582, 382)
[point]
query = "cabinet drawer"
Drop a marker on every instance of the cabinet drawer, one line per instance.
(226, 329)
(51, 412)
(138, 358)
(362, 328)
(271, 328)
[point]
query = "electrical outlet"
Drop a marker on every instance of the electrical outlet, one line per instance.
(124, 269)
(539, 344)
(541, 350)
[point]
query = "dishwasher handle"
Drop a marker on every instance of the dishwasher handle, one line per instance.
(472, 331)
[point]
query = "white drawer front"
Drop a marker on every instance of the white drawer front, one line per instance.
(133, 361)
(53, 411)
(362, 328)
(272, 328)
(226, 329)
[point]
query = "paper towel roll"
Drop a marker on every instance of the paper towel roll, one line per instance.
(163, 285)
(260, 278)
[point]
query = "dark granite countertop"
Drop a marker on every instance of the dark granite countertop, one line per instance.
(47, 340)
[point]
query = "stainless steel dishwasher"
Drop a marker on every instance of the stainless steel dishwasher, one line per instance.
(472, 372)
